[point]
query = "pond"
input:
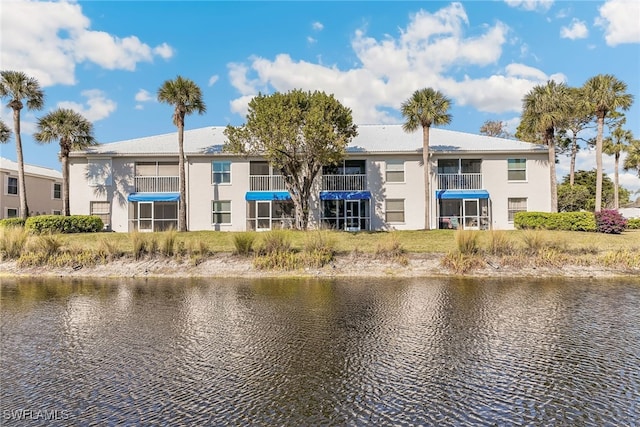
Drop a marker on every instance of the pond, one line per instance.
(320, 352)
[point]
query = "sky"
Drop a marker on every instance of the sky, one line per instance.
(107, 59)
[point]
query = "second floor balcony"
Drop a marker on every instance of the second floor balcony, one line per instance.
(266, 183)
(157, 184)
(344, 182)
(459, 181)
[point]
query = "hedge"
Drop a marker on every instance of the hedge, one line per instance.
(568, 221)
(12, 222)
(633, 224)
(64, 224)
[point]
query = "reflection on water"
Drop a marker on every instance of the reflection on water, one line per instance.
(336, 352)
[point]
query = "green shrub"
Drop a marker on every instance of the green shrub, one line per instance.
(11, 222)
(64, 224)
(243, 242)
(633, 224)
(568, 221)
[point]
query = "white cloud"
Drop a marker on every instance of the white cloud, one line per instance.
(541, 5)
(317, 26)
(97, 107)
(213, 80)
(426, 53)
(143, 96)
(577, 30)
(311, 40)
(620, 19)
(55, 36)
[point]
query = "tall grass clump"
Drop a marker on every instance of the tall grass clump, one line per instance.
(168, 242)
(12, 241)
(461, 263)
(243, 243)
(275, 241)
(48, 244)
(534, 241)
(499, 243)
(391, 248)
(467, 241)
(319, 248)
(108, 249)
(139, 245)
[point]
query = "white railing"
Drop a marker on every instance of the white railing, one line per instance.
(266, 183)
(459, 181)
(343, 182)
(157, 184)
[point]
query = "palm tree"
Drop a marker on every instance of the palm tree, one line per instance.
(614, 145)
(578, 120)
(545, 109)
(186, 97)
(73, 132)
(5, 132)
(17, 86)
(603, 94)
(426, 107)
(633, 157)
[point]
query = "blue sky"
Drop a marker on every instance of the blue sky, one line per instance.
(107, 59)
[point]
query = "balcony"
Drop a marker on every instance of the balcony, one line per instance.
(344, 182)
(266, 183)
(157, 184)
(459, 181)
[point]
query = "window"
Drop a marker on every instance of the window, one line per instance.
(103, 210)
(517, 170)
(57, 190)
(394, 210)
(55, 212)
(12, 213)
(221, 212)
(395, 171)
(12, 185)
(517, 204)
(221, 172)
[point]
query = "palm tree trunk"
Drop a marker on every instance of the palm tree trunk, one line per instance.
(598, 206)
(616, 185)
(182, 203)
(64, 158)
(22, 187)
(572, 166)
(553, 182)
(427, 177)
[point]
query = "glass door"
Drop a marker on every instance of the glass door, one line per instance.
(352, 215)
(145, 216)
(470, 213)
(263, 215)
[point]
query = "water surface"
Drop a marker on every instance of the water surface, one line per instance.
(321, 352)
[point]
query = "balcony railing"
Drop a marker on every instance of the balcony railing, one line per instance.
(157, 184)
(460, 181)
(344, 182)
(266, 183)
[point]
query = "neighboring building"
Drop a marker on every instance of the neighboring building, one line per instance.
(478, 182)
(44, 190)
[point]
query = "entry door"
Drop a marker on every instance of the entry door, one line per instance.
(352, 215)
(145, 216)
(263, 215)
(470, 213)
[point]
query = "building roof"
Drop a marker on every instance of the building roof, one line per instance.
(10, 165)
(370, 139)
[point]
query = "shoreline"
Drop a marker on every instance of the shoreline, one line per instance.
(225, 265)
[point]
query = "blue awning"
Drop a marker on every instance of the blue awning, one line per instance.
(345, 195)
(153, 197)
(267, 195)
(462, 194)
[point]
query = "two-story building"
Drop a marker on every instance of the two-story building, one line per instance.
(477, 182)
(43, 186)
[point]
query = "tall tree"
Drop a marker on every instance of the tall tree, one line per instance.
(16, 86)
(614, 145)
(73, 132)
(426, 107)
(578, 119)
(5, 132)
(186, 97)
(544, 110)
(495, 128)
(298, 133)
(603, 94)
(632, 161)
